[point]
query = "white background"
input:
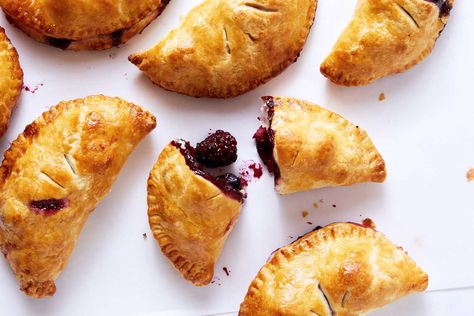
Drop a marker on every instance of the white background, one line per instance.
(424, 130)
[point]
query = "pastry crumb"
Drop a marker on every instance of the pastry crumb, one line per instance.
(369, 223)
(304, 214)
(315, 205)
(321, 201)
(145, 236)
(382, 96)
(470, 175)
(309, 223)
(227, 271)
(334, 205)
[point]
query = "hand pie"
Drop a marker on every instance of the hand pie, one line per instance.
(225, 48)
(341, 269)
(54, 175)
(309, 147)
(83, 24)
(385, 37)
(191, 212)
(11, 80)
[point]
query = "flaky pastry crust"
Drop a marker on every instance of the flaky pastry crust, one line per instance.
(82, 24)
(314, 148)
(343, 269)
(189, 216)
(224, 48)
(11, 80)
(385, 37)
(54, 175)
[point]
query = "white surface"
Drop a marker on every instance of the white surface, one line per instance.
(424, 130)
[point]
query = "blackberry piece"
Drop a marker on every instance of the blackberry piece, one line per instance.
(217, 150)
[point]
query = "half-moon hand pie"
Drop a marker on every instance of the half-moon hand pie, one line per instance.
(54, 175)
(385, 37)
(11, 80)
(191, 213)
(82, 24)
(341, 269)
(308, 147)
(225, 48)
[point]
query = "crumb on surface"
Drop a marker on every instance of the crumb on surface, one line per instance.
(321, 201)
(144, 236)
(304, 214)
(369, 223)
(334, 205)
(470, 175)
(315, 205)
(381, 96)
(309, 223)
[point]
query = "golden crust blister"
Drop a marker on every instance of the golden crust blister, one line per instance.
(385, 37)
(54, 175)
(314, 148)
(189, 216)
(341, 269)
(11, 80)
(225, 48)
(82, 25)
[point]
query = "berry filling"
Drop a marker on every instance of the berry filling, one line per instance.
(444, 6)
(265, 139)
(227, 183)
(217, 150)
(48, 207)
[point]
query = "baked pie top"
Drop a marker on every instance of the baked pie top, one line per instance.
(191, 213)
(385, 37)
(341, 269)
(54, 175)
(11, 80)
(224, 48)
(307, 147)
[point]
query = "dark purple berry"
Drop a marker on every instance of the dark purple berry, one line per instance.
(217, 150)
(48, 207)
(230, 182)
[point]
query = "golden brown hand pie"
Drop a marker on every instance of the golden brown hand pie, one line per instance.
(54, 175)
(341, 269)
(307, 147)
(82, 24)
(385, 37)
(224, 48)
(11, 80)
(191, 213)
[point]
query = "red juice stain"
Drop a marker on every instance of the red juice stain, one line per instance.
(257, 169)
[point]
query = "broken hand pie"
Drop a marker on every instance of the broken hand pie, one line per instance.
(224, 48)
(82, 24)
(307, 147)
(191, 212)
(341, 269)
(385, 37)
(54, 175)
(11, 80)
